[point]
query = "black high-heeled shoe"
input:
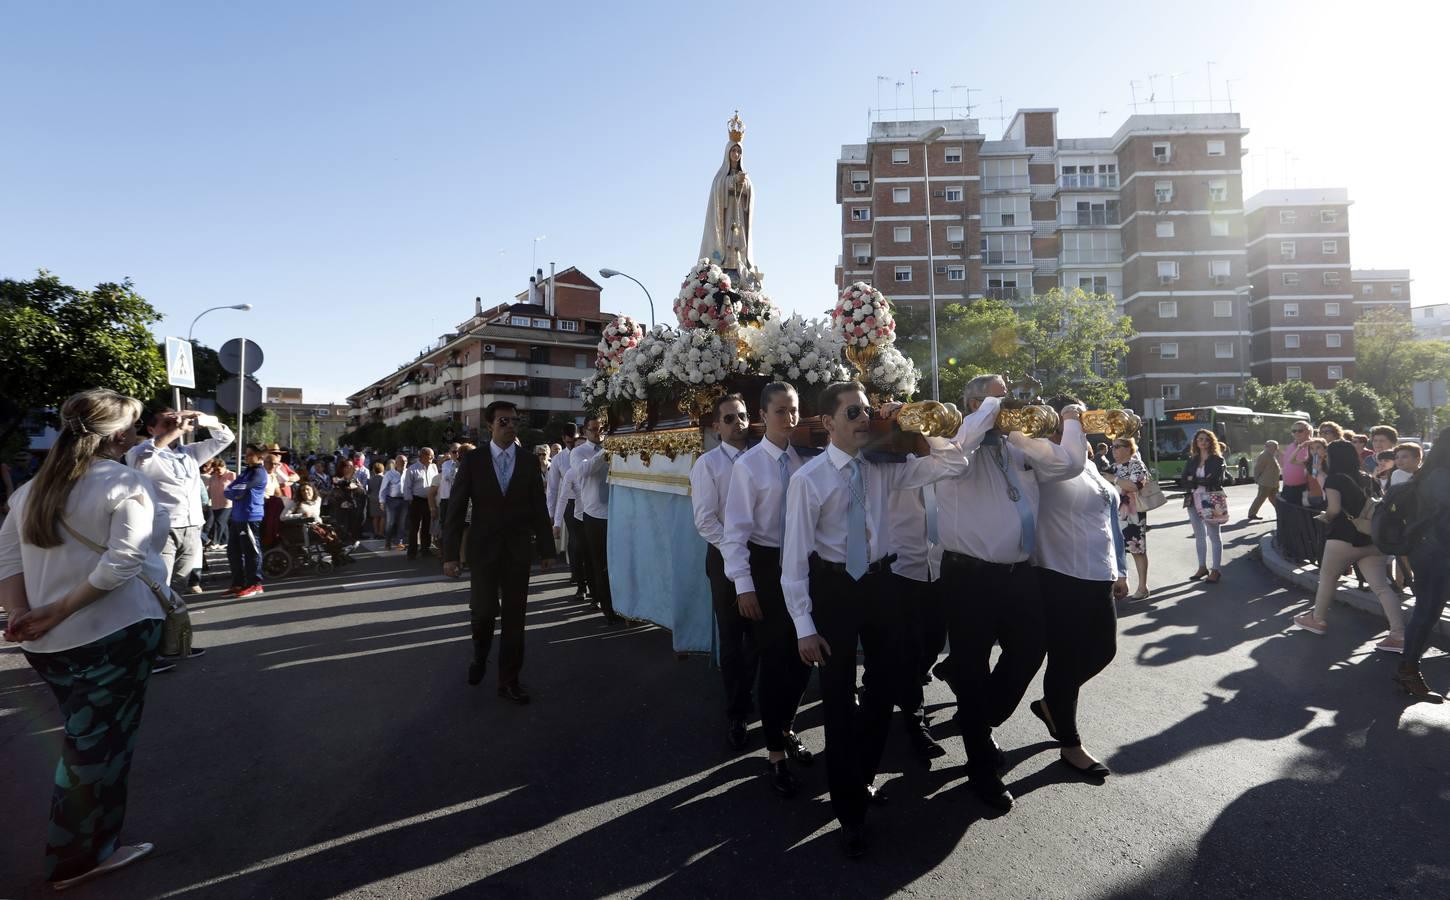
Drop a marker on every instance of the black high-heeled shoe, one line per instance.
(1039, 709)
(1096, 770)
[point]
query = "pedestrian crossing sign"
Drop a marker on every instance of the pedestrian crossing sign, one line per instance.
(179, 370)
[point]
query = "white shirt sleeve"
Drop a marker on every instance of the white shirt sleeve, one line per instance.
(1054, 462)
(133, 526)
(551, 488)
(739, 522)
(802, 507)
(221, 438)
(705, 497)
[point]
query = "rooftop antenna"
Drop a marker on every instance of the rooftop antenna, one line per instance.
(970, 91)
(1153, 91)
(536, 249)
(1101, 113)
(1001, 113)
(897, 110)
(1210, 85)
(1133, 88)
(1229, 87)
(934, 92)
(879, 79)
(1173, 89)
(914, 73)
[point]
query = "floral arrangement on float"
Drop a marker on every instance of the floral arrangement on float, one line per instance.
(794, 349)
(593, 390)
(707, 300)
(700, 358)
(642, 372)
(756, 308)
(892, 373)
(864, 322)
(620, 336)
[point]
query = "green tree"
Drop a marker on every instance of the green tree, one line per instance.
(314, 436)
(264, 431)
(1390, 359)
(59, 340)
(1366, 407)
(1267, 398)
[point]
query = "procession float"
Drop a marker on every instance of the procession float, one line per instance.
(656, 388)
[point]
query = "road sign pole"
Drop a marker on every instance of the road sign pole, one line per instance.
(241, 405)
(176, 405)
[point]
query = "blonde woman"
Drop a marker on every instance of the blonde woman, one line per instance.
(87, 622)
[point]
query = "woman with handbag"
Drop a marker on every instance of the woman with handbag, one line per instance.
(1206, 502)
(1134, 485)
(1347, 493)
(88, 622)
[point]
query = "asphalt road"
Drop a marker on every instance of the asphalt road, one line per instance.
(329, 746)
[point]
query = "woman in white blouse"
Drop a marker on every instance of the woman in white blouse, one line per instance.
(88, 623)
(1081, 567)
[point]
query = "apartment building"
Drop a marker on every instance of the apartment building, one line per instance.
(1302, 301)
(1380, 288)
(1152, 214)
(296, 419)
(1432, 322)
(532, 351)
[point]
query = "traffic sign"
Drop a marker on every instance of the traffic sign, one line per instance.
(232, 357)
(179, 370)
(243, 391)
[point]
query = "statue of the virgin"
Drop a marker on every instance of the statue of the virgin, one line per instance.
(729, 214)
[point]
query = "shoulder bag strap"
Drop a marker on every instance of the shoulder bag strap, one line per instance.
(164, 595)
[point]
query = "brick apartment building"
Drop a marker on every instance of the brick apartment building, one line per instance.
(533, 351)
(1152, 215)
(1432, 322)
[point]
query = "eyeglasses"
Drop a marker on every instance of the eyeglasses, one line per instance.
(732, 418)
(505, 421)
(854, 412)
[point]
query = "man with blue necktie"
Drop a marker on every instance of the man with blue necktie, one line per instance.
(508, 526)
(836, 577)
(987, 525)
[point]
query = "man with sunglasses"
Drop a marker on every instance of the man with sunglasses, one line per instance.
(835, 575)
(509, 525)
(1295, 464)
(588, 482)
(709, 486)
(987, 522)
(754, 530)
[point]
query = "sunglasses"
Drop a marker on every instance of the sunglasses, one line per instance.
(854, 412)
(505, 421)
(732, 418)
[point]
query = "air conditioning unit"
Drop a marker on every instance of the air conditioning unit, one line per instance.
(941, 270)
(1220, 279)
(863, 260)
(1162, 158)
(956, 245)
(1167, 279)
(859, 186)
(1152, 349)
(938, 193)
(488, 348)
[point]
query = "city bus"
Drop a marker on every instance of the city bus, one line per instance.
(1168, 441)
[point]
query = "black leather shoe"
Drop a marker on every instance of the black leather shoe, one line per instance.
(797, 751)
(1097, 771)
(514, 692)
(854, 841)
(782, 780)
(736, 736)
(926, 747)
(990, 789)
(1039, 709)
(876, 794)
(614, 619)
(475, 672)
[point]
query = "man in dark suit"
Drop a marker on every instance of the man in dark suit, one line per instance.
(505, 489)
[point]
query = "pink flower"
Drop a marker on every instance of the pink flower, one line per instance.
(870, 322)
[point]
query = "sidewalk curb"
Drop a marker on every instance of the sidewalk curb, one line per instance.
(1307, 577)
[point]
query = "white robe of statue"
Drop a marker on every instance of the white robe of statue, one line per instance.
(729, 215)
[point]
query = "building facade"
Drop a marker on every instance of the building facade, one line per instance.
(1152, 215)
(1432, 322)
(306, 426)
(533, 352)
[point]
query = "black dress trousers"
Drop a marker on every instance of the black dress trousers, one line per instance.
(739, 660)
(783, 676)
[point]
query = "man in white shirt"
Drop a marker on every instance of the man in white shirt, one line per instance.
(835, 574)
(395, 507)
(709, 486)
(175, 471)
(417, 480)
(446, 473)
(588, 479)
(560, 498)
(987, 523)
(754, 529)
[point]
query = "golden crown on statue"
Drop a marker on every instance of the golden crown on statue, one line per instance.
(737, 128)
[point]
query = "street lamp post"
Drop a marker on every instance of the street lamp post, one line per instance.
(926, 140)
(610, 273)
(176, 392)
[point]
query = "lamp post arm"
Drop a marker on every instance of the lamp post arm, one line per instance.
(198, 318)
(646, 297)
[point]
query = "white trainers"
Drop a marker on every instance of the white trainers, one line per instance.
(1391, 644)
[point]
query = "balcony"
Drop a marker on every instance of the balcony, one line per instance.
(1092, 257)
(1005, 183)
(1006, 257)
(1088, 181)
(407, 390)
(1089, 218)
(1008, 294)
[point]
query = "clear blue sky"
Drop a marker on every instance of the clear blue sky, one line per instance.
(361, 171)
